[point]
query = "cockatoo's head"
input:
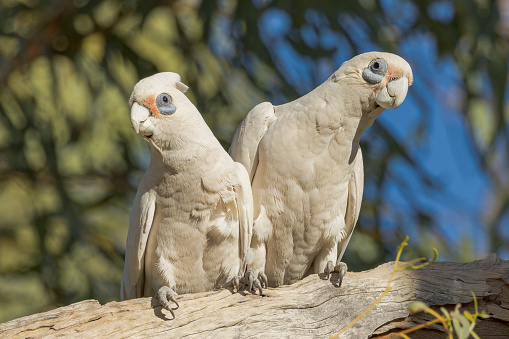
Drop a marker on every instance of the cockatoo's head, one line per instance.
(384, 77)
(159, 107)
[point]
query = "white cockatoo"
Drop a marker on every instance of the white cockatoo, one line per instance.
(191, 223)
(305, 166)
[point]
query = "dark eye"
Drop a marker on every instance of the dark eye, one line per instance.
(375, 71)
(164, 104)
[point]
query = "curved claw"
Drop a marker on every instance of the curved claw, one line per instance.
(342, 268)
(328, 269)
(164, 294)
(258, 285)
(250, 277)
(263, 278)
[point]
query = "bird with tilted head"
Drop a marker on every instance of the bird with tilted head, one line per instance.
(306, 168)
(191, 223)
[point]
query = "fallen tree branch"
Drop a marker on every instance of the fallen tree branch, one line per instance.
(311, 308)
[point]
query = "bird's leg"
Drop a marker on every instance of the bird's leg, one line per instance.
(263, 278)
(328, 269)
(256, 283)
(340, 267)
(250, 280)
(164, 294)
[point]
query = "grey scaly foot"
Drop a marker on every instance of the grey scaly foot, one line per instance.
(250, 280)
(340, 267)
(258, 282)
(263, 278)
(164, 294)
(328, 269)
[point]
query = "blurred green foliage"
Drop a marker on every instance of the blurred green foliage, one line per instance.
(70, 163)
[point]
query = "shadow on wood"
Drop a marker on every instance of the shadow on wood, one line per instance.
(310, 308)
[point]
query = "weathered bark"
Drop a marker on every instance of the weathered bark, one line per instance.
(311, 308)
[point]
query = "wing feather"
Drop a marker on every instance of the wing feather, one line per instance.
(140, 223)
(353, 208)
(244, 198)
(244, 148)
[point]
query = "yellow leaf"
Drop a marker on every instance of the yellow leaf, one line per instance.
(469, 316)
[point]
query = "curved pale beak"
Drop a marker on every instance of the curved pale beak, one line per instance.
(392, 95)
(139, 115)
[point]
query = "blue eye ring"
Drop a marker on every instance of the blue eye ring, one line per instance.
(375, 71)
(164, 104)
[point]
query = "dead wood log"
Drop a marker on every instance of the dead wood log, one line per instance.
(311, 308)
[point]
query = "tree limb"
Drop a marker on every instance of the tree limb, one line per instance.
(310, 308)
